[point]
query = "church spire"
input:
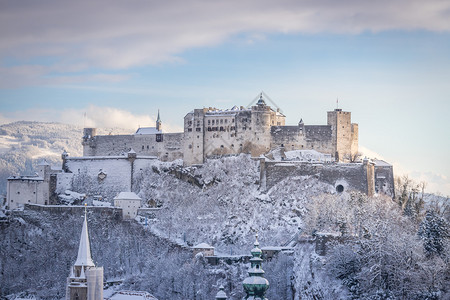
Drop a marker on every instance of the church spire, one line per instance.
(158, 122)
(84, 249)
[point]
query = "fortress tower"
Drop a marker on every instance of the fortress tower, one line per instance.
(86, 280)
(344, 135)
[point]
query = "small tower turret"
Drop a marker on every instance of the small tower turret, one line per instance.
(255, 285)
(158, 123)
(261, 101)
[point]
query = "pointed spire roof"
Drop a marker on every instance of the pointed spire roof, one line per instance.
(158, 119)
(84, 249)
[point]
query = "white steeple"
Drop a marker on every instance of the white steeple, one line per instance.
(84, 250)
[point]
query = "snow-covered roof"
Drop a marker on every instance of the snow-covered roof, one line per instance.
(132, 295)
(32, 177)
(84, 250)
(127, 196)
(203, 246)
(43, 163)
(224, 112)
(275, 248)
(381, 163)
(148, 130)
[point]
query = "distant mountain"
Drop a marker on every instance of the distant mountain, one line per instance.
(23, 144)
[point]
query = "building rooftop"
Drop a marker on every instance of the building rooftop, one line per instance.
(147, 130)
(203, 246)
(127, 196)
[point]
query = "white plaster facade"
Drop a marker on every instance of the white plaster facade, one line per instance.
(35, 189)
(129, 202)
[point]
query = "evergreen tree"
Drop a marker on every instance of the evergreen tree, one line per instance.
(434, 231)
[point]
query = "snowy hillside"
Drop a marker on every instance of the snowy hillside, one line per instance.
(23, 144)
(227, 213)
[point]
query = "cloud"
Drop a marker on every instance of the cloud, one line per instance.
(91, 116)
(118, 35)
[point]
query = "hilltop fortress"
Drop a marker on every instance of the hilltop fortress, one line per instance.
(112, 164)
(210, 132)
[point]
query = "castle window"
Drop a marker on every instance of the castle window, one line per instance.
(189, 129)
(221, 146)
(221, 121)
(190, 146)
(226, 121)
(142, 147)
(232, 145)
(212, 122)
(18, 193)
(209, 122)
(339, 188)
(209, 128)
(198, 129)
(198, 136)
(159, 137)
(232, 120)
(221, 128)
(148, 147)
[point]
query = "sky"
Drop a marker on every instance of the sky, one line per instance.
(110, 63)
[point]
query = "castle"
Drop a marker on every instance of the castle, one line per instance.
(210, 132)
(112, 163)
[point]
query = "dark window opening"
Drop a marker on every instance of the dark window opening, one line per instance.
(159, 137)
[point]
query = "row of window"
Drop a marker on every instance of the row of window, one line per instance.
(219, 121)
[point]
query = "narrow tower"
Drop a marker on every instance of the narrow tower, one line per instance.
(255, 285)
(85, 281)
(158, 123)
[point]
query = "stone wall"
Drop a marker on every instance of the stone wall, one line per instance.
(169, 148)
(349, 176)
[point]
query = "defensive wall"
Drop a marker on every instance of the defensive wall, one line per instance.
(348, 177)
(166, 146)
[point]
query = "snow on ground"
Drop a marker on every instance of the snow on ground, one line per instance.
(227, 213)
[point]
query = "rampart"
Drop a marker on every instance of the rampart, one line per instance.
(351, 176)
